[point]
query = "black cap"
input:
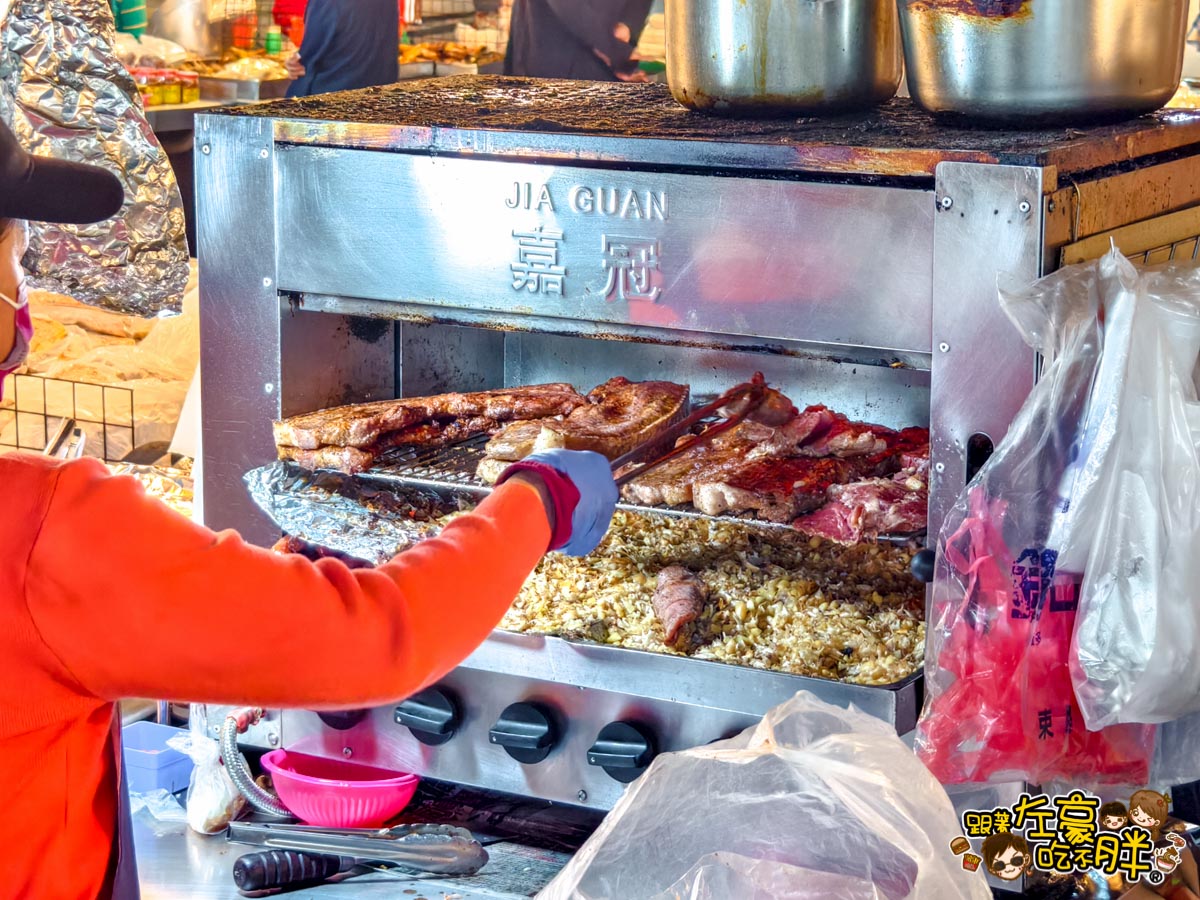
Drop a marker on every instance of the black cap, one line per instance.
(53, 190)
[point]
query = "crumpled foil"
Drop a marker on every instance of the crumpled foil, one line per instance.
(67, 95)
(352, 515)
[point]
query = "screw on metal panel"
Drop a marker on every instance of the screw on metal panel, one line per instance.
(268, 388)
(940, 467)
(1051, 206)
(1024, 206)
(205, 149)
(947, 202)
(266, 282)
(347, 752)
(581, 796)
(944, 347)
(263, 154)
(273, 740)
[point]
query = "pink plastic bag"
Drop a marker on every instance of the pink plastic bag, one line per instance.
(1010, 712)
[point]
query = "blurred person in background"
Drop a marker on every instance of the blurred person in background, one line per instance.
(587, 40)
(347, 44)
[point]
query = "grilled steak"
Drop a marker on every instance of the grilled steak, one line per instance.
(777, 489)
(353, 460)
(678, 599)
(671, 483)
(787, 439)
(618, 416)
(846, 438)
(363, 424)
(781, 489)
(866, 509)
(913, 446)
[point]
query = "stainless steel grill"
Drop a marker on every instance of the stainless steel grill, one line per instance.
(464, 234)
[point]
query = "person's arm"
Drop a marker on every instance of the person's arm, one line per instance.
(320, 29)
(137, 601)
(592, 23)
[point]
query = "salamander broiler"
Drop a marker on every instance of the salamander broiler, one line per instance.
(472, 233)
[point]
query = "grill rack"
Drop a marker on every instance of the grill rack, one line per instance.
(453, 466)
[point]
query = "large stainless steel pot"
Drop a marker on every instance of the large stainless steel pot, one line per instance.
(782, 56)
(1023, 60)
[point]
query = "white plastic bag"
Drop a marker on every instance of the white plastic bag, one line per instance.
(212, 800)
(813, 802)
(1134, 651)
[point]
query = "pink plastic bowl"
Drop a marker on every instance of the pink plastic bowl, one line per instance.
(331, 793)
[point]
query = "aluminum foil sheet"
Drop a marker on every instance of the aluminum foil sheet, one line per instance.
(67, 95)
(353, 515)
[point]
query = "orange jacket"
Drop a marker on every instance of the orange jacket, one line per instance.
(105, 593)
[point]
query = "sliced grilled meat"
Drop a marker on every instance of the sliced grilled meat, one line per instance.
(678, 599)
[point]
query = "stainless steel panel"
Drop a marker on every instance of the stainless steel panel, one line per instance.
(239, 316)
(896, 398)
(676, 679)
(826, 263)
(609, 331)
(585, 694)
(329, 360)
(791, 56)
(989, 222)
(435, 359)
(1073, 60)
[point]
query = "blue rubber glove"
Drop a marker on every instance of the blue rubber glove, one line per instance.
(591, 476)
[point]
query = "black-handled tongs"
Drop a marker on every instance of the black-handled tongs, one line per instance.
(752, 398)
(437, 849)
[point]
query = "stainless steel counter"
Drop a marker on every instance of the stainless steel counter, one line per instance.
(174, 863)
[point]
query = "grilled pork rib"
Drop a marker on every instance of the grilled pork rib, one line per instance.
(619, 415)
(363, 424)
(354, 460)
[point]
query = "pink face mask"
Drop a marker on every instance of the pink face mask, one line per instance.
(24, 328)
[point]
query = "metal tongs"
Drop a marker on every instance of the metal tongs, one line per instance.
(437, 849)
(67, 442)
(752, 398)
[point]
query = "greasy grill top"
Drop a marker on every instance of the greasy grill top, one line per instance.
(584, 120)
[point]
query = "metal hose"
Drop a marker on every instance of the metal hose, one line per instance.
(264, 802)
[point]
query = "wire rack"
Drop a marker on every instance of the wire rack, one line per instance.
(454, 466)
(37, 405)
(1178, 251)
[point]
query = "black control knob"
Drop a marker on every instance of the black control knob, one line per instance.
(623, 750)
(526, 731)
(342, 721)
(432, 716)
(923, 565)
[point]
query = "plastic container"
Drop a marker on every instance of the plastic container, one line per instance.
(151, 765)
(331, 793)
(190, 86)
(273, 41)
(172, 88)
(148, 86)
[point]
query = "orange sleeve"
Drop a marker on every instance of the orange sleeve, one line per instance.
(137, 601)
